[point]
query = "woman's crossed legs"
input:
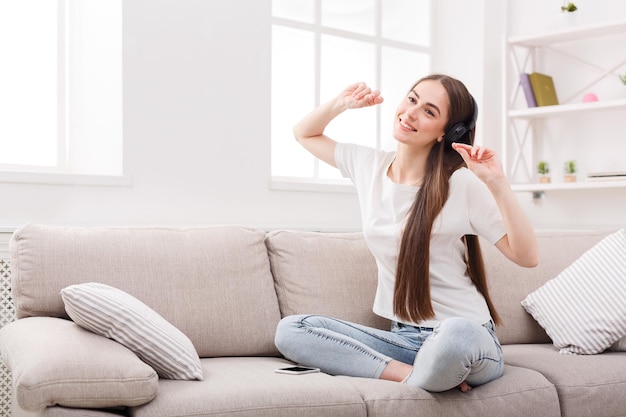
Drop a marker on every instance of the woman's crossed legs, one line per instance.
(457, 352)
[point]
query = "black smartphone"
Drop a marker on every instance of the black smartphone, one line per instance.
(297, 370)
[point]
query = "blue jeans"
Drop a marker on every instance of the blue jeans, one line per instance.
(456, 350)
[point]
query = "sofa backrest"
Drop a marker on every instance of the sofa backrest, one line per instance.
(335, 274)
(332, 274)
(213, 283)
(509, 284)
(226, 287)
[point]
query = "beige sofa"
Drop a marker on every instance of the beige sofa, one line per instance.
(226, 288)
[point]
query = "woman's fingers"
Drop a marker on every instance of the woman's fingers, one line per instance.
(365, 96)
(474, 152)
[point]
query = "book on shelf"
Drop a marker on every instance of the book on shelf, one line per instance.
(524, 80)
(606, 176)
(543, 87)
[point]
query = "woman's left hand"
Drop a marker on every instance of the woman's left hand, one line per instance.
(481, 161)
(519, 244)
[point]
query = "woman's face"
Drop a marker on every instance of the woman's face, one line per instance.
(422, 115)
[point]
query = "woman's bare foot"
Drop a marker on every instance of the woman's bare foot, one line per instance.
(400, 372)
(464, 387)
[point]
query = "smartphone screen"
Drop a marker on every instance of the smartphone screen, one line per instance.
(297, 370)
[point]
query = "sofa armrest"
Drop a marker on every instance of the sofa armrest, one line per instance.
(55, 362)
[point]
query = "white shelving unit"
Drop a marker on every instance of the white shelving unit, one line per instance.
(523, 126)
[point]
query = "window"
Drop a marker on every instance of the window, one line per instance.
(60, 87)
(321, 46)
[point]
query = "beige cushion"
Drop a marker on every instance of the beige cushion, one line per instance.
(583, 308)
(332, 274)
(249, 387)
(212, 283)
(519, 392)
(587, 385)
(112, 313)
(85, 370)
(509, 284)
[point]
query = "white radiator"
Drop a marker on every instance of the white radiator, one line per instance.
(7, 315)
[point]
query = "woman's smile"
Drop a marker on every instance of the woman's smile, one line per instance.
(405, 125)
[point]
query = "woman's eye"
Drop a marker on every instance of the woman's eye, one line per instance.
(429, 112)
(412, 99)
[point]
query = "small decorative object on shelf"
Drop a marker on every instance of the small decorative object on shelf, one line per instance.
(590, 97)
(623, 78)
(567, 18)
(568, 6)
(543, 168)
(570, 171)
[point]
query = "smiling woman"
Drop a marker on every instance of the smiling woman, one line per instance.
(423, 208)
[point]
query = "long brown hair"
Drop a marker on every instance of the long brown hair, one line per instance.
(412, 288)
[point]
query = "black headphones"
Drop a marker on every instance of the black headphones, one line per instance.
(456, 132)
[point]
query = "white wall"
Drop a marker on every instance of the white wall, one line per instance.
(196, 124)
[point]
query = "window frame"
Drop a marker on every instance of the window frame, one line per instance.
(315, 183)
(60, 173)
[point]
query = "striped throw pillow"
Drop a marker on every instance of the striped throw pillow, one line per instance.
(619, 346)
(583, 309)
(117, 315)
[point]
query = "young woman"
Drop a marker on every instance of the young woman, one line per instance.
(423, 207)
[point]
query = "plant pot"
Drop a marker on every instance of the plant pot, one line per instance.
(544, 179)
(567, 19)
(570, 177)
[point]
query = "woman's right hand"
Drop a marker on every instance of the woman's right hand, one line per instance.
(310, 130)
(360, 95)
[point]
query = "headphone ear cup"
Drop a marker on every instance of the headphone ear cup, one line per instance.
(455, 133)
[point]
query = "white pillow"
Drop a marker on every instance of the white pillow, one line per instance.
(115, 314)
(583, 309)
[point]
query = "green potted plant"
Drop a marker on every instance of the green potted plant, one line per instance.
(567, 17)
(543, 168)
(623, 78)
(568, 6)
(570, 171)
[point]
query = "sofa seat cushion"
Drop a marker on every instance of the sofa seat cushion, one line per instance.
(54, 361)
(249, 387)
(518, 389)
(587, 385)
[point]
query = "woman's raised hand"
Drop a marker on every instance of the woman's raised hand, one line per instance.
(360, 95)
(481, 161)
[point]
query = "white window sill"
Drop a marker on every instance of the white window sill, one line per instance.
(311, 185)
(53, 178)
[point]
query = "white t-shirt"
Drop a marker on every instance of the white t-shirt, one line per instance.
(470, 209)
